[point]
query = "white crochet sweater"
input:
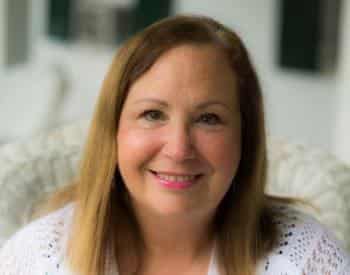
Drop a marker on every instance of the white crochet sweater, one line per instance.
(305, 248)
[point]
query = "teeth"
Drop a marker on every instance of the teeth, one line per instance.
(176, 178)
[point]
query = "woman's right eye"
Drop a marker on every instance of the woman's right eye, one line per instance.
(151, 115)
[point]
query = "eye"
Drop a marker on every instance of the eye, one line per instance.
(210, 118)
(151, 115)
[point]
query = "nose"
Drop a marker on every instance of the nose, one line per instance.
(179, 145)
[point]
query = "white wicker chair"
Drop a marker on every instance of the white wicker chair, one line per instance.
(35, 168)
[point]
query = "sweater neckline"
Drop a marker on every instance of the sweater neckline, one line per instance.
(212, 270)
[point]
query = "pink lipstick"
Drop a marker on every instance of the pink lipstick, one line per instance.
(176, 185)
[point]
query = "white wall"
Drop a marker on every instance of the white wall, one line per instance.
(302, 107)
(341, 136)
(38, 13)
(59, 86)
(31, 95)
(3, 33)
(298, 106)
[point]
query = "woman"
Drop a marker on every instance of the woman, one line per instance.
(173, 175)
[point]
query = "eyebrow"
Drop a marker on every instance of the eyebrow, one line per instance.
(199, 106)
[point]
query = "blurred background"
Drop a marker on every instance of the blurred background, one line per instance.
(55, 53)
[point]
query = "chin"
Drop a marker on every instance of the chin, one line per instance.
(170, 207)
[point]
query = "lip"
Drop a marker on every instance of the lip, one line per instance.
(175, 185)
(175, 173)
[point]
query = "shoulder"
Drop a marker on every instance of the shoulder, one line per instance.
(38, 246)
(305, 246)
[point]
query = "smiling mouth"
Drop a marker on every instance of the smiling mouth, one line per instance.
(188, 175)
(176, 182)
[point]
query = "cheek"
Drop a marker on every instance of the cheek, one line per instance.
(223, 152)
(134, 147)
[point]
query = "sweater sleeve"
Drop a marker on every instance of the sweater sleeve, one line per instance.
(19, 254)
(37, 248)
(305, 247)
(327, 255)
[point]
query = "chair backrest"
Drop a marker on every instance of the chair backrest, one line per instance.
(33, 169)
(318, 177)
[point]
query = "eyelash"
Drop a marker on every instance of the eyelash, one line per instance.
(147, 112)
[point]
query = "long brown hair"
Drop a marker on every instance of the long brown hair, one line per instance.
(243, 222)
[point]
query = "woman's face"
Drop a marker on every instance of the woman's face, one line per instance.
(181, 118)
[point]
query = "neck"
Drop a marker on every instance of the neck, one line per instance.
(182, 237)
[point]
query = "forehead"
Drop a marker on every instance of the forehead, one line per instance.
(191, 71)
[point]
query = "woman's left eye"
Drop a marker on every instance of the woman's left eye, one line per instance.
(210, 118)
(151, 115)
